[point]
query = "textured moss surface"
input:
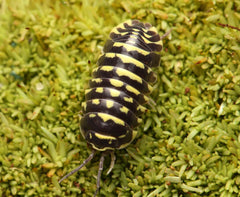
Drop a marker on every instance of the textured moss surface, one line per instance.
(189, 143)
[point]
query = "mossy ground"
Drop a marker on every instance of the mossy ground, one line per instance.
(189, 142)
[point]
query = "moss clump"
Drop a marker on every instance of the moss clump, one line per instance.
(188, 144)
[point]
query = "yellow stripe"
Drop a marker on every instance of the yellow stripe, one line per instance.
(144, 33)
(106, 68)
(90, 136)
(104, 137)
(129, 47)
(96, 101)
(154, 29)
(135, 33)
(95, 69)
(101, 149)
(132, 89)
(134, 133)
(114, 30)
(99, 90)
(87, 91)
(150, 88)
(116, 83)
(129, 22)
(124, 72)
(98, 80)
(146, 39)
(149, 70)
(106, 117)
(109, 104)
(145, 30)
(133, 41)
(122, 136)
(92, 115)
(84, 106)
(126, 59)
(146, 98)
(141, 108)
(114, 93)
(124, 110)
(130, 99)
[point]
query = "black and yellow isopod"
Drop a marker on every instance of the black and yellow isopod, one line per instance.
(119, 88)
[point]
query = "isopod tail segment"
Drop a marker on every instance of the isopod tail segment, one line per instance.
(100, 169)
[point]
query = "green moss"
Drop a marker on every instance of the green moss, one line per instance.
(188, 144)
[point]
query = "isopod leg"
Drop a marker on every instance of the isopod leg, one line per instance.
(100, 169)
(79, 167)
(113, 158)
